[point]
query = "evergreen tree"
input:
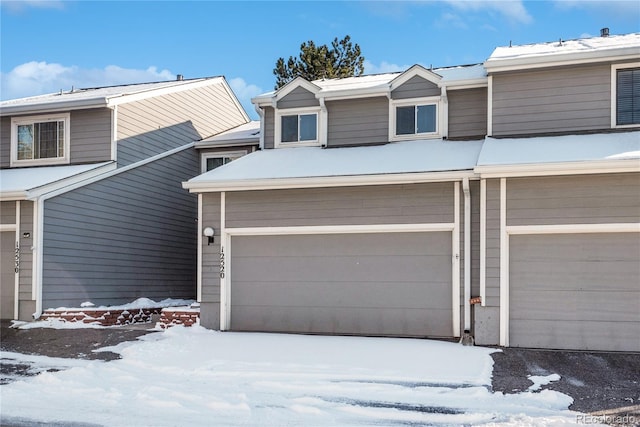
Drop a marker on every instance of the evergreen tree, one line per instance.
(341, 59)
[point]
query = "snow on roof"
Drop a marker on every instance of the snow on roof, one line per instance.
(247, 132)
(313, 162)
(17, 182)
(560, 149)
(558, 48)
(87, 96)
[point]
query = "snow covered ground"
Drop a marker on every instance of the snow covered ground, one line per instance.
(197, 377)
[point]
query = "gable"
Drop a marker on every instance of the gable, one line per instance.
(298, 98)
(415, 87)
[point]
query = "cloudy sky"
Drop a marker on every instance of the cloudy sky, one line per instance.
(46, 46)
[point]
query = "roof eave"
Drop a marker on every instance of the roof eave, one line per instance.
(227, 143)
(558, 168)
(100, 102)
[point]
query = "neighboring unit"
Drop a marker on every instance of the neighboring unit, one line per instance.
(92, 207)
(501, 198)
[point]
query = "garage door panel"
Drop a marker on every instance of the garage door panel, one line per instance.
(349, 321)
(371, 284)
(580, 291)
(583, 335)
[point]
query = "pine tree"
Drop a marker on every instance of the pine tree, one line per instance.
(342, 59)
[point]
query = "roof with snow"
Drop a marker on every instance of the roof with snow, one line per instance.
(96, 97)
(247, 133)
(22, 183)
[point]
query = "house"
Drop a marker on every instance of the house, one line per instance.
(92, 207)
(500, 198)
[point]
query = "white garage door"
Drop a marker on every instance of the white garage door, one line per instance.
(575, 291)
(395, 284)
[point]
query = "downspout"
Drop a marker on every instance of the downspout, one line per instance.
(260, 112)
(324, 123)
(467, 256)
(36, 249)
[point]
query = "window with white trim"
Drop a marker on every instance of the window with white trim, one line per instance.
(39, 140)
(298, 127)
(627, 96)
(414, 119)
(211, 161)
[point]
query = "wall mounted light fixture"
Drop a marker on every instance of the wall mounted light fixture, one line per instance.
(209, 232)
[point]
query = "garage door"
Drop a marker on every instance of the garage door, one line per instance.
(396, 284)
(575, 291)
(7, 278)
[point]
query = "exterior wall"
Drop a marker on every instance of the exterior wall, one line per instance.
(392, 204)
(155, 125)
(493, 244)
(269, 127)
(580, 199)
(124, 237)
(210, 301)
(27, 306)
(467, 113)
(416, 87)
(298, 98)
(358, 122)
(90, 135)
(7, 212)
(545, 101)
(90, 138)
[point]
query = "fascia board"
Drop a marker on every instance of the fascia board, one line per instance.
(336, 95)
(334, 181)
(294, 84)
(541, 61)
(8, 196)
(565, 168)
(416, 70)
(234, 98)
(99, 102)
(34, 193)
(180, 86)
(229, 143)
(467, 84)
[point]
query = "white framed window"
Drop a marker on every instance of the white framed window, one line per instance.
(414, 119)
(40, 140)
(625, 95)
(299, 127)
(210, 161)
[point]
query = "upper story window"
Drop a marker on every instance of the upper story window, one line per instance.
(625, 100)
(39, 140)
(414, 119)
(297, 128)
(211, 161)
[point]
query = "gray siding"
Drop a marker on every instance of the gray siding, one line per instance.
(467, 113)
(401, 204)
(152, 126)
(298, 98)
(581, 199)
(27, 305)
(269, 127)
(557, 100)
(211, 253)
(5, 142)
(7, 274)
(577, 291)
(367, 284)
(492, 280)
(90, 137)
(358, 122)
(7, 212)
(416, 87)
(124, 237)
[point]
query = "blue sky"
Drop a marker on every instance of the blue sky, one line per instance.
(46, 46)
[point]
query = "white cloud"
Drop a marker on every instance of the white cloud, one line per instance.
(245, 91)
(383, 67)
(35, 78)
(513, 10)
(16, 6)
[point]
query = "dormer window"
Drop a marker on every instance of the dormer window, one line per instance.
(297, 128)
(414, 119)
(40, 140)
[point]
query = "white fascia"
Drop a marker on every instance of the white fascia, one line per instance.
(564, 168)
(415, 70)
(329, 181)
(54, 107)
(178, 87)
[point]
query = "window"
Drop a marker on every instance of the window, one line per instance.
(627, 96)
(211, 161)
(297, 128)
(40, 140)
(413, 119)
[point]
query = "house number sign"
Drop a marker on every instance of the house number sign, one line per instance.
(17, 258)
(222, 262)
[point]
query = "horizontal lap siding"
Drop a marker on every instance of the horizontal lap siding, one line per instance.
(154, 125)
(125, 237)
(269, 127)
(298, 98)
(27, 305)
(575, 291)
(211, 253)
(392, 204)
(372, 284)
(580, 199)
(415, 87)
(493, 243)
(467, 113)
(558, 100)
(5, 142)
(358, 122)
(7, 212)
(90, 135)
(7, 274)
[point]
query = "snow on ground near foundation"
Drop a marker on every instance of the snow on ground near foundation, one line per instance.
(194, 376)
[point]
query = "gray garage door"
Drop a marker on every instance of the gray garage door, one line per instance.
(7, 278)
(396, 284)
(575, 291)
